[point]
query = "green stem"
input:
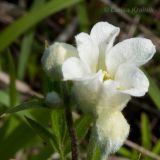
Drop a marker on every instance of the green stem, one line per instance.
(61, 155)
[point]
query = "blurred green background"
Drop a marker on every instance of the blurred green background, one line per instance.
(25, 25)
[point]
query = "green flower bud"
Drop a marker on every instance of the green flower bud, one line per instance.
(53, 99)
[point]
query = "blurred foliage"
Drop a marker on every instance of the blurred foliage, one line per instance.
(37, 131)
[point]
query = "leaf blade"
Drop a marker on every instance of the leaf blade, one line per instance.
(31, 19)
(145, 131)
(28, 105)
(43, 133)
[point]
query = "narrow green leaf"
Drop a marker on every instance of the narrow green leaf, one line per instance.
(125, 152)
(28, 105)
(27, 45)
(145, 131)
(59, 129)
(83, 16)
(59, 124)
(16, 135)
(31, 19)
(82, 126)
(24, 53)
(93, 152)
(156, 148)
(154, 91)
(12, 76)
(37, 3)
(135, 154)
(43, 133)
(17, 139)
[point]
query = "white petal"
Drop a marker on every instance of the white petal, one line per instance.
(132, 80)
(86, 92)
(74, 68)
(104, 35)
(135, 50)
(110, 131)
(110, 98)
(88, 51)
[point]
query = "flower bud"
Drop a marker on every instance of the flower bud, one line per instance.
(54, 56)
(52, 99)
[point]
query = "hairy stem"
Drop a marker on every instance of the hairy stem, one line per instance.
(70, 125)
(72, 134)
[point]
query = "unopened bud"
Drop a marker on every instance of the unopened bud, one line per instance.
(54, 56)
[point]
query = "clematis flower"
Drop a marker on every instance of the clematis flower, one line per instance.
(105, 77)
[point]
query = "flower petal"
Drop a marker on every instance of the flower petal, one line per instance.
(88, 51)
(110, 98)
(86, 91)
(104, 35)
(74, 68)
(132, 80)
(135, 50)
(110, 131)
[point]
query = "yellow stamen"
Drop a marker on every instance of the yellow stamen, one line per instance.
(106, 76)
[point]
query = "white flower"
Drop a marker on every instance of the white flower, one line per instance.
(105, 77)
(54, 56)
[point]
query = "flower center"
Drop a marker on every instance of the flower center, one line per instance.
(106, 76)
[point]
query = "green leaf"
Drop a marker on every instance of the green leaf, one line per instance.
(59, 127)
(93, 152)
(154, 91)
(156, 148)
(43, 133)
(27, 45)
(31, 19)
(24, 53)
(4, 98)
(12, 76)
(37, 3)
(28, 105)
(83, 16)
(145, 131)
(17, 139)
(82, 126)
(125, 152)
(15, 135)
(2, 109)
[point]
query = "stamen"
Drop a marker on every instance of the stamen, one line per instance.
(106, 76)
